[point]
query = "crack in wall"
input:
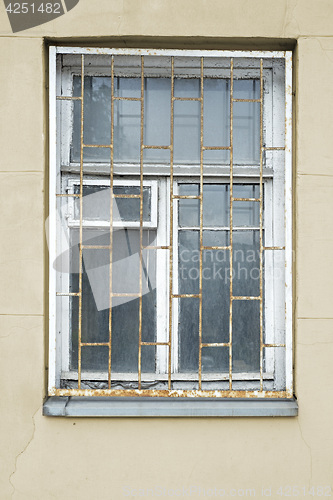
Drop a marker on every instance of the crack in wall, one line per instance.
(17, 330)
(292, 17)
(325, 50)
(309, 448)
(22, 452)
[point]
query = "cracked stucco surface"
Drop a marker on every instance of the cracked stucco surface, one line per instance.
(67, 459)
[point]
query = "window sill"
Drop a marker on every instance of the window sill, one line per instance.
(162, 407)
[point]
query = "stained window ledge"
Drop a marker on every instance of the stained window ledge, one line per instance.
(163, 407)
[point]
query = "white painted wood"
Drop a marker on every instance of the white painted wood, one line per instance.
(51, 220)
(172, 52)
(269, 323)
(288, 223)
(175, 302)
(162, 278)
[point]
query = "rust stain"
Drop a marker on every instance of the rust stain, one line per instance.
(169, 393)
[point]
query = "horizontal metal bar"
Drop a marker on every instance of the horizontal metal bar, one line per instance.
(185, 296)
(114, 98)
(68, 98)
(273, 149)
(104, 344)
(274, 345)
(126, 195)
(216, 148)
(145, 146)
(186, 99)
(70, 195)
(185, 197)
(246, 100)
(155, 343)
(216, 344)
(97, 146)
(273, 248)
(246, 199)
(245, 298)
(68, 294)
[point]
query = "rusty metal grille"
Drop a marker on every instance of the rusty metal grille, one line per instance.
(232, 389)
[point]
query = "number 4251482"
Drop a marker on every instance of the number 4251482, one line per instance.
(32, 8)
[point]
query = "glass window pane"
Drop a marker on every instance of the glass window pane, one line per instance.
(157, 115)
(188, 335)
(246, 133)
(245, 336)
(97, 118)
(187, 87)
(189, 189)
(128, 209)
(246, 190)
(216, 203)
(216, 112)
(125, 310)
(215, 296)
(215, 360)
(189, 213)
(246, 263)
(215, 238)
(216, 130)
(125, 335)
(127, 121)
(247, 89)
(94, 358)
(188, 261)
(96, 203)
(246, 213)
(187, 132)
(127, 87)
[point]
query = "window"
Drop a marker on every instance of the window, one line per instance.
(170, 223)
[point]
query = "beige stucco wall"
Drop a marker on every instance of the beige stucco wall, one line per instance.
(43, 458)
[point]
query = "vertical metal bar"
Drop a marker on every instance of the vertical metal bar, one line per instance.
(261, 226)
(81, 209)
(231, 223)
(111, 222)
(141, 219)
(201, 220)
(171, 224)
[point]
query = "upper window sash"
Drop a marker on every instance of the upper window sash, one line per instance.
(271, 121)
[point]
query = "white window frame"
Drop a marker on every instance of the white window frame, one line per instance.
(75, 222)
(55, 179)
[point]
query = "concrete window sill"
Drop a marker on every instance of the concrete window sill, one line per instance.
(163, 407)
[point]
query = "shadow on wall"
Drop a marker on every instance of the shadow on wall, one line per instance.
(24, 15)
